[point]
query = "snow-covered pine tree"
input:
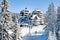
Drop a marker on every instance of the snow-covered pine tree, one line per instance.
(51, 22)
(8, 26)
(3, 34)
(58, 23)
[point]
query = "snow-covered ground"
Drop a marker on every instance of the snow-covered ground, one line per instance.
(33, 31)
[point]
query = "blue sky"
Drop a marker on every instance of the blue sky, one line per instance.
(18, 5)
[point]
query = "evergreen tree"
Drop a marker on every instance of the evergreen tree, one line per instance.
(51, 22)
(58, 23)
